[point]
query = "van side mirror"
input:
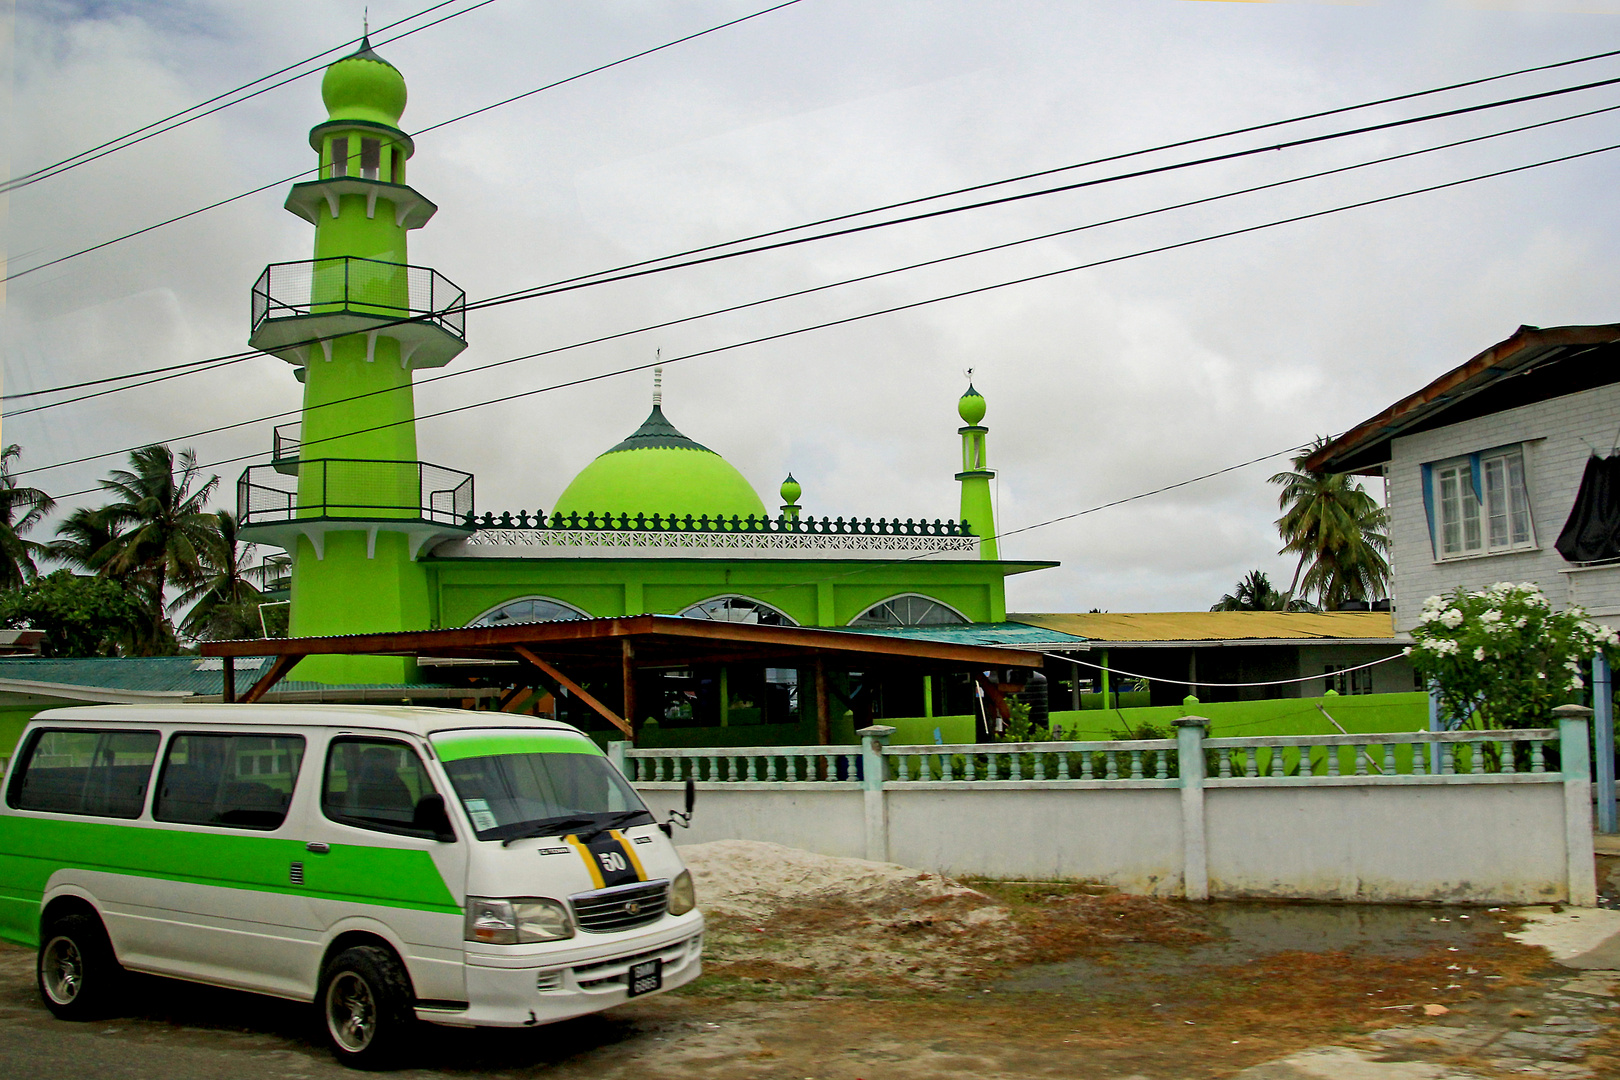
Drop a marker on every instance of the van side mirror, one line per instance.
(677, 817)
(431, 817)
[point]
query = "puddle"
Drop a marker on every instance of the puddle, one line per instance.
(1244, 932)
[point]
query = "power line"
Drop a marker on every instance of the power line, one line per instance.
(630, 271)
(440, 124)
(173, 121)
(812, 289)
(915, 304)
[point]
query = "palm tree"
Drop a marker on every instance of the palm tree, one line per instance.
(86, 540)
(1339, 532)
(21, 508)
(225, 600)
(162, 528)
(1253, 593)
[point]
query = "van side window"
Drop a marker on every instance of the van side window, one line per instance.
(104, 773)
(235, 781)
(376, 784)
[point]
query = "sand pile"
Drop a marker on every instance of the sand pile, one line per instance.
(781, 916)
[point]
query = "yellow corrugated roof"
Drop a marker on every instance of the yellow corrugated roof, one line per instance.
(1214, 625)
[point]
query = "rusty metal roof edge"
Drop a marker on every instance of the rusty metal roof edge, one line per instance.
(1385, 423)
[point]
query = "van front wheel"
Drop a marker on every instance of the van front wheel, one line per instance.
(78, 973)
(366, 1002)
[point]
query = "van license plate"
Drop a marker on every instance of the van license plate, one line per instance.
(646, 977)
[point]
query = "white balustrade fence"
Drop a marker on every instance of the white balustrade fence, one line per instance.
(1465, 816)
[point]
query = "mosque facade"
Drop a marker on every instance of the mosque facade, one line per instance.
(658, 523)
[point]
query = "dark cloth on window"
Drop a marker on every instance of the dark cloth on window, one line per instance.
(1592, 533)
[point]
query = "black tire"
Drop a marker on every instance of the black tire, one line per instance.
(78, 974)
(367, 1007)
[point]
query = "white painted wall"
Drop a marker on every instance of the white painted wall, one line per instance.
(1560, 435)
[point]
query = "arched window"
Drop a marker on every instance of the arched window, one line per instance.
(909, 610)
(530, 609)
(737, 609)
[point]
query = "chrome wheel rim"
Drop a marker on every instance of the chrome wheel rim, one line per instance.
(351, 1012)
(61, 968)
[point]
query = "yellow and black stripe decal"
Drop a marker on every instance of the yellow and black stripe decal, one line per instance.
(610, 858)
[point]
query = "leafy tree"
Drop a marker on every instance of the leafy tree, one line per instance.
(1338, 531)
(1255, 593)
(225, 599)
(21, 508)
(86, 540)
(161, 528)
(1502, 657)
(81, 616)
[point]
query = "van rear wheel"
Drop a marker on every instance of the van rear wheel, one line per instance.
(77, 971)
(366, 1001)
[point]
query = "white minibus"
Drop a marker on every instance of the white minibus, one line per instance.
(391, 865)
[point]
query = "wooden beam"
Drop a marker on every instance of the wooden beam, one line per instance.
(577, 690)
(627, 656)
(277, 672)
(521, 698)
(823, 713)
(228, 666)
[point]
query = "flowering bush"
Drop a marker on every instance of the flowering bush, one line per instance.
(1502, 657)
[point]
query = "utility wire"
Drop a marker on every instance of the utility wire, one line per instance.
(809, 290)
(434, 127)
(1195, 683)
(173, 121)
(915, 304)
(648, 267)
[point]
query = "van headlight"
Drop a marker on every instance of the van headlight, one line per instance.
(516, 921)
(682, 896)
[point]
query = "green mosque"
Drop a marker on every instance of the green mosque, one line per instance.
(658, 523)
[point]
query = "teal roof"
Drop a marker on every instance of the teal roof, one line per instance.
(154, 674)
(657, 433)
(1007, 635)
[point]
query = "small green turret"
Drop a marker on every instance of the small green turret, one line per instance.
(363, 86)
(978, 506)
(790, 498)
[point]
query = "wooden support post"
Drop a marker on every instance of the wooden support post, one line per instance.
(577, 690)
(228, 666)
(627, 657)
(278, 670)
(823, 712)
(520, 697)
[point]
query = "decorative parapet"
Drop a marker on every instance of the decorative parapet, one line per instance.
(703, 523)
(701, 537)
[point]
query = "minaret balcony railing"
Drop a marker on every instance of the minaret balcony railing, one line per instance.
(685, 523)
(355, 490)
(301, 306)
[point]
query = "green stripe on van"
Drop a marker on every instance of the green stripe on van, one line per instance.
(32, 849)
(456, 745)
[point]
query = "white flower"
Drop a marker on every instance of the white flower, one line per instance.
(1452, 618)
(1576, 683)
(1407, 651)
(1520, 622)
(1479, 654)
(1491, 618)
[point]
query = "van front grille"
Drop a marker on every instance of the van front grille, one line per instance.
(620, 908)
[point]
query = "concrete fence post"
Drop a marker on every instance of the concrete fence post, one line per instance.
(1603, 744)
(873, 739)
(1576, 760)
(616, 754)
(1194, 843)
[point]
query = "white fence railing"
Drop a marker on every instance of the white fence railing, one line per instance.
(1469, 816)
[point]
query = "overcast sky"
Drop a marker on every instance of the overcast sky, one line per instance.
(1101, 384)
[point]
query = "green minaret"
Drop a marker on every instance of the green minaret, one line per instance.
(348, 496)
(978, 508)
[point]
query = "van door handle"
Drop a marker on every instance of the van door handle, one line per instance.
(317, 847)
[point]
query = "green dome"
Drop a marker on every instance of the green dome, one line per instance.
(791, 490)
(971, 407)
(657, 470)
(364, 86)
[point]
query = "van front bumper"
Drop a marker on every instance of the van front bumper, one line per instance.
(544, 984)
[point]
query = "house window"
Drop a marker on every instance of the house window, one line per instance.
(1341, 682)
(1481, 504)
(370, 158)
(340, 156)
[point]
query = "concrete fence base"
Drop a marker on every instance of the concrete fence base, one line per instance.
(1275, 829)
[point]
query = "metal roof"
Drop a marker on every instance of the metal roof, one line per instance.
(1210, 627)
(175, 678)
(1560, 360)
(1007, 635)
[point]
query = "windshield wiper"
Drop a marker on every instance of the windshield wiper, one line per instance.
(613, 821)
(551, 827)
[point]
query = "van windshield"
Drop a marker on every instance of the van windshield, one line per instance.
(517, 785)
